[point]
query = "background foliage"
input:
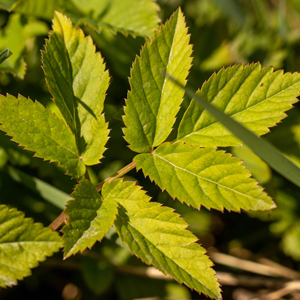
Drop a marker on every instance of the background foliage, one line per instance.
(222, 34)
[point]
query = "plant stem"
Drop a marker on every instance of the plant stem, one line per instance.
(58, 221)
(63, 217)
(117, 175)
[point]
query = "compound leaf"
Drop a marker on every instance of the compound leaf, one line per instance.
(154, 100)
(255, 97)
(89, 218)
(22, 245)
(78, 81)
(159, 237)
(203, 176)
(37, 129)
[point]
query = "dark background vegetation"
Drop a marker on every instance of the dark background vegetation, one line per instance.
(223, 32)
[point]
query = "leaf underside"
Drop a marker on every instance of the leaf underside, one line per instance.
(89, 218)
(203, 176)
(159, 237)
(254, 96)
(37, 129)
(78, 82)
(154, 100)
(22, 245)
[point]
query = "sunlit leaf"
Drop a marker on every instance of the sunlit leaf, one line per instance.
(159, 237)
(89, 218)
(23, 244)
(78, 82)
(37, 129)
(38, 8)
(135, 17)
(263, 149)
(255, 97)
(154, 100)
(203, 176)
(14, 37)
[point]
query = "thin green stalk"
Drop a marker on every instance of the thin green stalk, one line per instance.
(117, 175)
(63, 217)
(264, 150)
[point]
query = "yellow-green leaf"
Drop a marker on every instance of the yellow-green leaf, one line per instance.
(89, 218)
(78, 82)
(159, 237)
(37, 129)
(203, 176)
(23, 244)
(255, 97)
(154, 100)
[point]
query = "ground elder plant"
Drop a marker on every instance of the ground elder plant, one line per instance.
(190, 168)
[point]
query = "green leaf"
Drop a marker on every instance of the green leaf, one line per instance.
(135, 17)
(154, 100)
(255, 97)
(78, 81)
(291, 241)
(42, 188)
(38, 8)
(232, 9)
(4, 55)
(16, 155)
(14, 37)
(130, 287)
(89, 218)
(38, 130)
(260, 147)
(36, 28)
(22, 245)
(159, 237)
(259, 169)
(7, 4)
(203, 176)
(98, 275)
(289, 132)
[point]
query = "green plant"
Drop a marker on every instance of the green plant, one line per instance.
(189, 168)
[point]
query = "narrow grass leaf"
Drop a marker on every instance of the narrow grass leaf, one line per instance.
(203, 176)
(255, 97)
(154, 100)
(78, 82)
(89, 218)
(159, 237)
(42, 188)
(264, 150)
(23, 244)
(37, 129)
